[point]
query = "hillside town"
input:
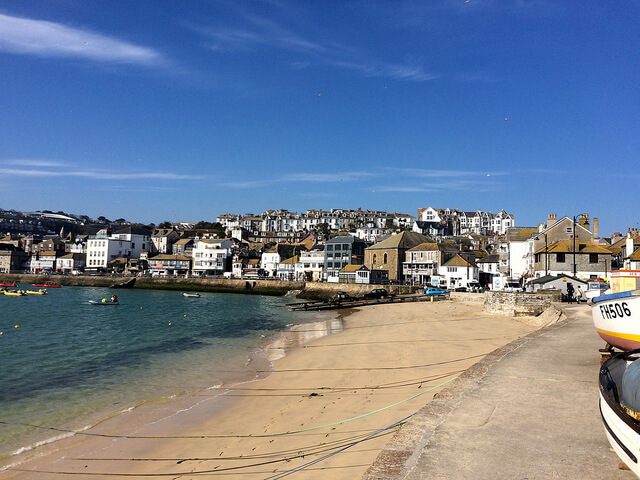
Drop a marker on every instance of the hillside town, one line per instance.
(441, 247)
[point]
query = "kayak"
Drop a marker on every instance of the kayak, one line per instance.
(19, 293)
(194, 295)
(9, 285)
(100, 302)
(46, 285)
(39, 292)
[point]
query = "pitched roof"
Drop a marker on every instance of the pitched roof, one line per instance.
(404, 240)
(635, 256)
(520, 234)
(170, 257)
(494, 258)
(184, 241)
(425, 247)
(550, 278)
(567, 246)
(291, 260)
(457, 261)
(353, 268)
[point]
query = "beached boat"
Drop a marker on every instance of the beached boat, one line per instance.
(194, 295)
(8, 285)
(616, 317)
(100, 302)
(619, 382)
(46, 285)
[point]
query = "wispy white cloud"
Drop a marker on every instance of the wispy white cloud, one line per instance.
(303, 177)
(326, 177)
(445, 173)
(256, 32)
(27, 162)
(409, 72)
(97, 174)
(48, 39)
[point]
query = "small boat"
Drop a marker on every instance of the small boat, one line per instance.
(100, 302)
(46, 285)
(619, 383)
(616, 317)
(17, 293)
(8, 285)
(193, 295)
(38, 292)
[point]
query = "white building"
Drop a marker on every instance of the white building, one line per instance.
(310, 265)
(103, 247)
(369, 233)
(458, 272)
(211, 256)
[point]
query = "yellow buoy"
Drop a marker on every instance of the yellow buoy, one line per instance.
(17, 326)
(169, 323)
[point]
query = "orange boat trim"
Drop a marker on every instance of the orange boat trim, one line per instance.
(624, 336)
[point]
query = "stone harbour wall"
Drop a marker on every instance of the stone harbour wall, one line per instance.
(517, 304)
(306, 290)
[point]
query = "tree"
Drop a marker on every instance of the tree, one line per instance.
(165, 225)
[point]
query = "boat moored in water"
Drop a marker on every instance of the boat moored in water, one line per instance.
(46, 285)
(616, 317)
(193, 295)
(101, 302)
(14, 293)
(619, 383)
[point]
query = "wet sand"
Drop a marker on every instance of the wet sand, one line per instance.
(329, 407)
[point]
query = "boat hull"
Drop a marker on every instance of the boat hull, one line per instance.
(97, 302)
(616, 318)
(622, 430)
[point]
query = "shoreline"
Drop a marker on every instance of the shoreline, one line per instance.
(258, 364)
(321, 390)
(245, 286)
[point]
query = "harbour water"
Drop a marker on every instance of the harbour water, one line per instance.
(66, 364)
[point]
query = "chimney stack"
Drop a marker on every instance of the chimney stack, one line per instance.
(551, 219)
(596, 229)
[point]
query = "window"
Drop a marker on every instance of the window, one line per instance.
(569, 229)
(560, 258)
(593, 258)
(385, 258)
(374, 258)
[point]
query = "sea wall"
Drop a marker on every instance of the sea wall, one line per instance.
(307, 290)
(466, 296)
(516, 304)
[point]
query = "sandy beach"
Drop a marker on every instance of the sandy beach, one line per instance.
(329, 407)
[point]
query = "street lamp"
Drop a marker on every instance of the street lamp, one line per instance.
(546, 256)
(575, 267)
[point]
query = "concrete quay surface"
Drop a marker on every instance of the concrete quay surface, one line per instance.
(529, 410)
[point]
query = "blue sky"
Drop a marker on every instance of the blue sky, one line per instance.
(181, 111)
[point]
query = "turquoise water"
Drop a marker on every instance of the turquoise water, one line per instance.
(70, 364)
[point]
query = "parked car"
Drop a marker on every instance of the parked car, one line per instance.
(376, 293)
(341, 296)
(435, 291)
(512, 287)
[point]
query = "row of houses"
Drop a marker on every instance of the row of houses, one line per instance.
(370, 225)
(557, 246)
